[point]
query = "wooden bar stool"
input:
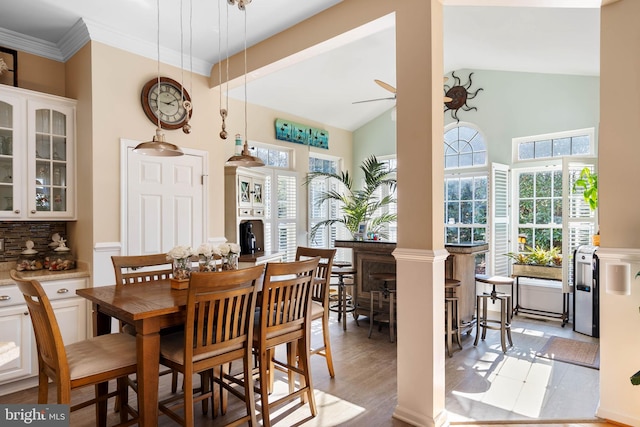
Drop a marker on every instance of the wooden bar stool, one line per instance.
(452, 315)
(506, 309)
(345, 302)
(379, 295)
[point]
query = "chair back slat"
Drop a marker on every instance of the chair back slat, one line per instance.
(134, 269)
(286, 298)
(51, 353)
(320, 291)
(220, 311)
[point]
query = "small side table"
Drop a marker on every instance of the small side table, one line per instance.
(343, 306)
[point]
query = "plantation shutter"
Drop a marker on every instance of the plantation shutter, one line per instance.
(499, 219)
(579, 221)
(268, 217)
(286, 203)
(317, 213)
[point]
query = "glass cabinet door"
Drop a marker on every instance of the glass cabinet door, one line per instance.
(9, 182)
(51, 138)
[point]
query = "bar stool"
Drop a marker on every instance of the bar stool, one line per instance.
(344, 303)
(452, 315)
(506, 310)
(378, 295)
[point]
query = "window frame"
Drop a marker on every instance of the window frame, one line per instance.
(516, 142)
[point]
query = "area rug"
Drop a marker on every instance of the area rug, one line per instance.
(571, 351)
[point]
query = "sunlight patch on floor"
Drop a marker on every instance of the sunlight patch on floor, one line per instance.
(332, 410)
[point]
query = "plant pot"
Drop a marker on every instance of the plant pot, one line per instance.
(538, 271)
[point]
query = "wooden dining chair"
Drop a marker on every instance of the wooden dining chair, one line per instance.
(320, 297)
(218, 330)
(136, 270)
(285, 318)
(94, 361)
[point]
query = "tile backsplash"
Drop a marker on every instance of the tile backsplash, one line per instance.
(15, 234)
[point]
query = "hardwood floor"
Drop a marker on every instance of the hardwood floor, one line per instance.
(363, 392)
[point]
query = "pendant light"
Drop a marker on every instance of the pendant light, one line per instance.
(158, 146)
(244, 158)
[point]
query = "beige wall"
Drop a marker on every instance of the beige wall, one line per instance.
(619, 209)
(41, 74)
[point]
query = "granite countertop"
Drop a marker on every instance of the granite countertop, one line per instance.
(81, 270)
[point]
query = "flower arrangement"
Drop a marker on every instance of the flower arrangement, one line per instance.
(207, 257)
(230, 253)
(181, 259)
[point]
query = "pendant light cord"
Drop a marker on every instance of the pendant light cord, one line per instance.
(158, 85)
(246, 135)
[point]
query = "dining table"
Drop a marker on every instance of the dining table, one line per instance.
(150, 308)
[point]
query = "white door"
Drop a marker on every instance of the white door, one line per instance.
(166, 201)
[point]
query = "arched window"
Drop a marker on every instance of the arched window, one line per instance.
(464, 147)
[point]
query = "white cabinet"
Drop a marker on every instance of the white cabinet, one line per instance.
(249, 190)
(15, 325)
(243, 197)
(37, 155)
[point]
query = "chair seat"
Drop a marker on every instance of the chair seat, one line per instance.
(172, 348)
(100, 354)
(494, 280)
(317, 310)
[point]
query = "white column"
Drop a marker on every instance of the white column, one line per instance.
(420, 252)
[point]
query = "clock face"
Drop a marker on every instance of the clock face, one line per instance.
(165, 102)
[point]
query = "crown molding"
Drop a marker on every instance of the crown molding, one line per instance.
(85, 30)
(35, 46)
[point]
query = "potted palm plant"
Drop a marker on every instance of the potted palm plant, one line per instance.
(359, 206)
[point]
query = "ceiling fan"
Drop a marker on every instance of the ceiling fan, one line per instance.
(391, 89)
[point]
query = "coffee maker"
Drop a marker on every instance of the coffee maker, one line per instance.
(247, 238)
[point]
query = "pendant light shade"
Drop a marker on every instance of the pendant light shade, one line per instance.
(158, 147)
(244, 158)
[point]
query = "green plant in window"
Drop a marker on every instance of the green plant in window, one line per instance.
(537, 256)
(359, 206)
(588, 181)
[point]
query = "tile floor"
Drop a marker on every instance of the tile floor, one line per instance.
(483, 383)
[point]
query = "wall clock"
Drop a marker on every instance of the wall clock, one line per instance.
(166, 102)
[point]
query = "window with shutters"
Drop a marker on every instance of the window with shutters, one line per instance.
(391, 228)
(548, 211)
(328, 209)
(466, 193)
(280, 200)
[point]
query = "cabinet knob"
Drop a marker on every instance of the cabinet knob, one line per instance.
(33, 211)
(63, 290)
(5, 297)
(17, 211)
(26, 313)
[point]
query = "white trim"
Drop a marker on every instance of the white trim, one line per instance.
(515, 142)
(619, 254)
(420, 255)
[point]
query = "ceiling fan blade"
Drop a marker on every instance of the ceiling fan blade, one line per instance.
(386, 86)
(376, 99)
(447, 99)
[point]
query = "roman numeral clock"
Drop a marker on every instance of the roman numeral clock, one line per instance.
(166, 102)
